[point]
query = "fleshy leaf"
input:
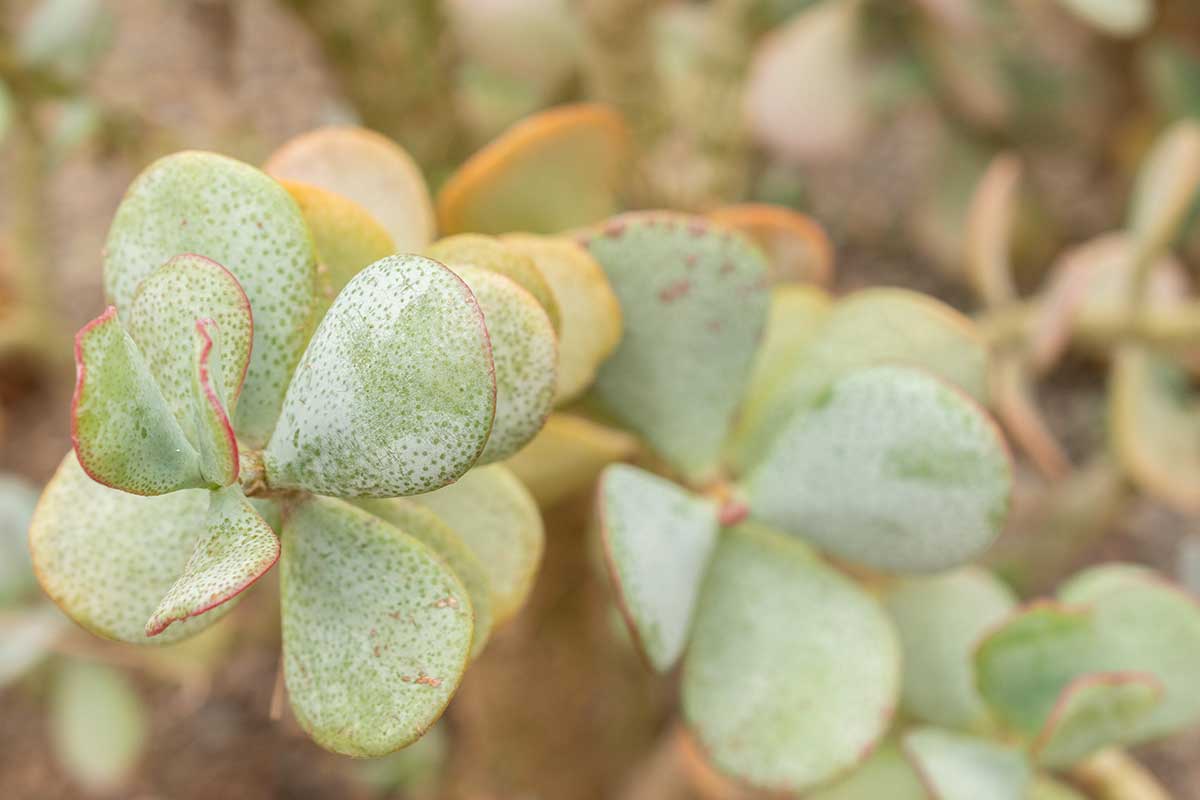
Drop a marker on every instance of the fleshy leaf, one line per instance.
(367, 168)
(491, 254)
(658, 539)
(1095, 711)
(886, 773)
(376, 629)
(567, 456)
(954, 766)
(792, 672)
(796, 246)
(26, 637)
(214, 437)
(940, 619)
(162, 321)
(866, 328)
(590, 327)
(1046, 788)
(1015, 402)
(694, 305)
(1114, 17)
(550, 172)
(1168, 182)
(346, 236)
(124, 433)
(990, 220)
(428, 528)
(236, 549)
(525, 354)
(1154, 418)
(395, 394)
(891, 468)
(194, 202)
(107, 557)
(18, 498)
(497, 518)
(98, 725)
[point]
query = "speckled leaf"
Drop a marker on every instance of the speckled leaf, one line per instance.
(346, 236)
(796, 246)
(428, 528)
(162, 321)
(694, 305)
(369, 169)
(213, 433)
(809, 69)
(376, 629)
(497, 518)
(793, 671)
(990, 220)
(590, 329)
(940, 619)
(891, 468)
(98, 725)
(107, 557)
(885, 774)
(1169, 180)
(395, 394)
(567, 456)
(1024, 664)
(555, 170)
(26, 638)
(123, 430)
(658, 539)
(491, 254)
(18, 498)
(196, 202)
(235, 550)
(1154, 419)
(954, 766)
(1114, 17)
(866, 328)
(1093, 712)
(525, 354)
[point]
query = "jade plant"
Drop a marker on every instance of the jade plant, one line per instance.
(272, 383)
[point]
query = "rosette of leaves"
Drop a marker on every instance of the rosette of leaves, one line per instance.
(271, 384)
(786, 431)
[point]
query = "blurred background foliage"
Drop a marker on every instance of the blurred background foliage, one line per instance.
(877, 118)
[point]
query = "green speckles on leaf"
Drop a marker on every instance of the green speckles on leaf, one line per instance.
(494, 514)
(525, 353)
(376, 629)
(124, 433)
(194, 202)
(694, 301)
(897, 471)
(658, 540)
(954, 766)
(107, 557)
(236, 549)
(792, 673)
(395, 394)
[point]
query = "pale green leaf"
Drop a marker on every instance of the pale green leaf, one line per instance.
(67, 36)
(940, 619)
(1122, 18)
(867, 328)
(556, 170)
(107, 557)
(1093, 712)
(885, 774)
(890, 467)
(793, 671)
(428, 528)
(162, 321)
(525, 354)
(494, 514)
(17, 501)
(124, 432)
(658, 539)
(214, 437)
(236, 549)
(98, 725)
(195, 202)
(395, 394)
(1169, 180)
(694, 303)
(1046, 788)
(376, 629)
(26, 638)
(368, 169)
(955, 766)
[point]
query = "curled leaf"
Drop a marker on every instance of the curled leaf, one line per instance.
(215, 440)
(954, 766)
(1093, 712)
(395, 394)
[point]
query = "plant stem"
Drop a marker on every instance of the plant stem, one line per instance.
(1113, 775)
(1177, 327)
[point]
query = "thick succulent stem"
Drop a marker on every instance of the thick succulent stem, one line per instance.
(1114, 775)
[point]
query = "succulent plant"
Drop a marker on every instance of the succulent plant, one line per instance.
(272, 384)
